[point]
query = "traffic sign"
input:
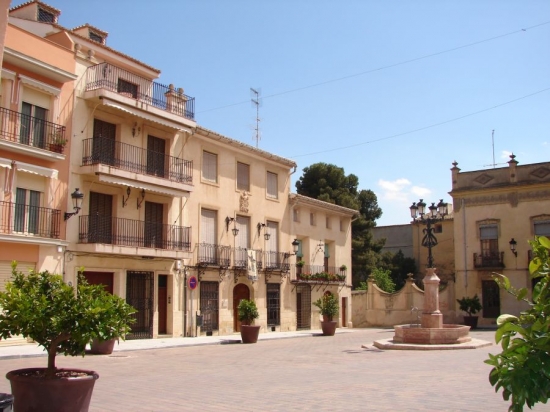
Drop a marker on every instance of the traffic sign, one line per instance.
(193, 282)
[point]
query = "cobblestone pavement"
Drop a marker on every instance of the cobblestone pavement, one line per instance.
(313, 373)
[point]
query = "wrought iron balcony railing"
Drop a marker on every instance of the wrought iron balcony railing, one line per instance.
(492, 260)
(31, 131)
(29, 220)
(213, 255)
(240, 258)
(125, 83)
(102, 150)
(135, 233)
(276, 261)
(320, 274)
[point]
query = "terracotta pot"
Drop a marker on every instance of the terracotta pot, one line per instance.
(250, 333)
(102, 347)
(328, 327)
(471, 321)
(61, 394)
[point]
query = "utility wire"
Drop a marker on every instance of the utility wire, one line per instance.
(424, 127)
(389, 66)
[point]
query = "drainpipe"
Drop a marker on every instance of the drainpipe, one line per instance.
(184, 309)
(465, 243)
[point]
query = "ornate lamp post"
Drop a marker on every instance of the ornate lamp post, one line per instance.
(435, 214)
(431, 315)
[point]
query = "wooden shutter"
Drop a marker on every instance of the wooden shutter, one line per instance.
(273, 229)
(272, 186)
(243, 176)
(243, 238)
(210, 166)
(208, 226)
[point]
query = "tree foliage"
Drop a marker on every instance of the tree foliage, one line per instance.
(522, 369)
(382, 279)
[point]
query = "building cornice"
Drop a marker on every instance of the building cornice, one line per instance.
(297, 200)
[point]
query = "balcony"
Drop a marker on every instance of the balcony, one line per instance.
(491, 260)
(112, 153)
(25, 220)
(213, 255)
(25, 134)
(276, 261)
(240, 258)
(320, 274)
(133, 233)
(147, 93)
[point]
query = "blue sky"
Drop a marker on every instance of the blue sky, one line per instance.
(392, 91)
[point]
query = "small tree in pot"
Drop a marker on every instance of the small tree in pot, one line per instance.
(41, 306)
(248, 312)
(328, 306)
(471, 306)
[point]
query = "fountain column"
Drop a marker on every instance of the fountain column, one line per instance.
(431, 315)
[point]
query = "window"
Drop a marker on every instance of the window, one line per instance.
(27, 211)
(96, 37)
(208, 253)
(45, 16)
(104, 143)
(296, 215)
(299, 252)
(127, 88)
(272, 186)
(312, 219)
(542, 227)
(33, 125)
(273, 304)
(489, 240)
(326, 257)
(243, 176)
(210, 167)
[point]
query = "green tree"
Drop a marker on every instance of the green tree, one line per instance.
(399, 266)
(329, 183)
(522, 369)
(383, 280)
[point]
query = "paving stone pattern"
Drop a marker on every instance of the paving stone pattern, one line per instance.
(313, 373)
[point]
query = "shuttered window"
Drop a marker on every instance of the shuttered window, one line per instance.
(488, 232)
(208, 226)
(243, 176)
(242, 239)
(542, 228)
(273, 229)
(272, 186)
(210, 167)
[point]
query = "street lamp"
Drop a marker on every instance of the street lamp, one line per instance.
(435, 214)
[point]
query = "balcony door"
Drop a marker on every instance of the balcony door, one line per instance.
(27, 211)
(242, 241)
(104, 143)
(156, 149)
(33, 125)
(272, 255)
(154, 215)
(100, 224)
(207, 239)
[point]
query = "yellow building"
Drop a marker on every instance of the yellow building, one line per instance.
(179, 220)
(496, 210)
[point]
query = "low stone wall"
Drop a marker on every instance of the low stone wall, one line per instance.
(376, 308)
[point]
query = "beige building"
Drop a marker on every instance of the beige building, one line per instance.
(35, 128)
(179, 220)
(494, 208)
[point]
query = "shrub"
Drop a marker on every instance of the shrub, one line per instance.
(328, 305)
(247, 311)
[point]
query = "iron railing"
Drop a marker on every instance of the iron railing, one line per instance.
(213, 255)
(102, 150)
(275, 261)
(107, 76)
(135, 233)
(18, 218)
(240, 258)
(491, 260)
(320, 273)
(31, 131)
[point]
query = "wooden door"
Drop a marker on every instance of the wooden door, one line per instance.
(162, 299)
(154, 214)
(240, 292)
(100, 278)
(100, 222)
(343, 309)
(156, 149)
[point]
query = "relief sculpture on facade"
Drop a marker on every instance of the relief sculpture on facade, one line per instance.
(243, 204)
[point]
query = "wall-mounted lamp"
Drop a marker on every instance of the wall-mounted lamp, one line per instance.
(177, 264)
(135, 130)
(124, 201)
(513, 244)
(321, 247)
(59, 249)
(228, 220)
(295, 245)
(267, 235)
(77, 197)
(139, 202)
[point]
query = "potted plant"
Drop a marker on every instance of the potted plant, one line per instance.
(343, 268)
(328, 306)
(42, 307)
(299, 266)
(248, 312)
(471, 306)
(57, 142)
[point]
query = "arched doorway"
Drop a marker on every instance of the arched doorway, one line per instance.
(240, 292)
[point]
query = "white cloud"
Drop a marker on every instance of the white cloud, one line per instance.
(420, 191)
(505, 155)
(394, 186)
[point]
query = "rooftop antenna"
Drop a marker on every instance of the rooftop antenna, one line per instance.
(257, 102)
(494, 164)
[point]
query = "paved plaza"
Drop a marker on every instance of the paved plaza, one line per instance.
(306, 372)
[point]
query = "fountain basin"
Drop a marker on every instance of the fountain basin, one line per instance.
(448, 334)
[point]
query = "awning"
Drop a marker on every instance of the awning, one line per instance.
(146, 116)
(5, 163)
(40, 85)
(37, 170)
(142, 185)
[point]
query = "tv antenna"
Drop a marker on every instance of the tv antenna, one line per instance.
(494, 164)
(256, 101)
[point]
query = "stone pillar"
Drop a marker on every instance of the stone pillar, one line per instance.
(175, 100)
(431, 315)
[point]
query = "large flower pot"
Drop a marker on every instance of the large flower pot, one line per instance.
(328, 327)
(250, 333)
(70, 391)
(102, 347)
(471, 321)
